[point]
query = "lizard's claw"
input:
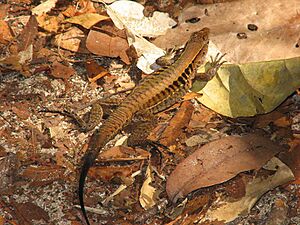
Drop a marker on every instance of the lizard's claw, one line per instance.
(217, 61)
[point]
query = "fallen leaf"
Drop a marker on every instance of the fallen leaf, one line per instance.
(28, 211)
(50, 24)
(292, 159)
(85, 6)
(44, 7)
(250, 89)
(5, 32)
(201, 117)
(9, 166)
(228, 210)
(43, 175)
(21, 109)
(57, 131)
(175, 128)
(123, 153)
(277, 29)
(129, 15)
(105, 45)
(2, 221)
(59, 70)
(87, 20)
(28, 35)
(73, 39)
(262, 121)
(95, 72)
(110, 172)
(22, 53)
(147, 194)
(219, 161)
(197, 140)
(282, 122)
(4, 10)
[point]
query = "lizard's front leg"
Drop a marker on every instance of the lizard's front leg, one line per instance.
(215, 64)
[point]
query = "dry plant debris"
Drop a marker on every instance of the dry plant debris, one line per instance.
(63, 55)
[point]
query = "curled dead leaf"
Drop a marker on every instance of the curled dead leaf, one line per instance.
(105, 45)
(219, 161)
(176, 125)
(147, 196)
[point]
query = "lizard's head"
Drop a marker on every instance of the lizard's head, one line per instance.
(200, 36)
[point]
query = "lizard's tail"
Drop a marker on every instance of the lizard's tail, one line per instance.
(87, 163)
(108, 130)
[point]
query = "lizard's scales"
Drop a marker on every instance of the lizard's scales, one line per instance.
(155, 93)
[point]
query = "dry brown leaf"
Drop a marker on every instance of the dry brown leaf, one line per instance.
(85, 6)
(5, 33)
(2, 220)
(226, 210)
(107, 173)
(201, 117)
(275, 117)
(28, 35)
(49, 23)
(3, 10)
(70, 11)
(42, 175)
(87, 20)
(27, 212)
(191, 95)
(8, 170)
(104, 45)
(22, 52)
(177, 123)
(61, 71)
(73, 39)
(219, 161)
(21, 109)
(93, 68)
(95, 72)
(292, 159)
(282, 122)
(123, 153)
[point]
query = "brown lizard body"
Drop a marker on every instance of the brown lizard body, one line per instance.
(154, 94)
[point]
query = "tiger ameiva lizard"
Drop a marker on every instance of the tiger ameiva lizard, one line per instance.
(154, 94)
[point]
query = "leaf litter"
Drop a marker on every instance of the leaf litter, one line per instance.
(231, 155)
(45, 149)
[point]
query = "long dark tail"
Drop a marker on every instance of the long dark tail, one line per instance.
(96, 143)
(87, 163)
(98, 140)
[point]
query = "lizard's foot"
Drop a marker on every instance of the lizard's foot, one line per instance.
(167, 59)
(215, 64)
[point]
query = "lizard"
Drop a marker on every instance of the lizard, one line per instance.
(155, 93)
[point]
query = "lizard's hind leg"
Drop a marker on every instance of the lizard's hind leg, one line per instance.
(140, 128)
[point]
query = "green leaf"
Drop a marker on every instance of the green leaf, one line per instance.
(251, 88)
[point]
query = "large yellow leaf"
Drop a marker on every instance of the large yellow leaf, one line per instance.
(251, 88)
